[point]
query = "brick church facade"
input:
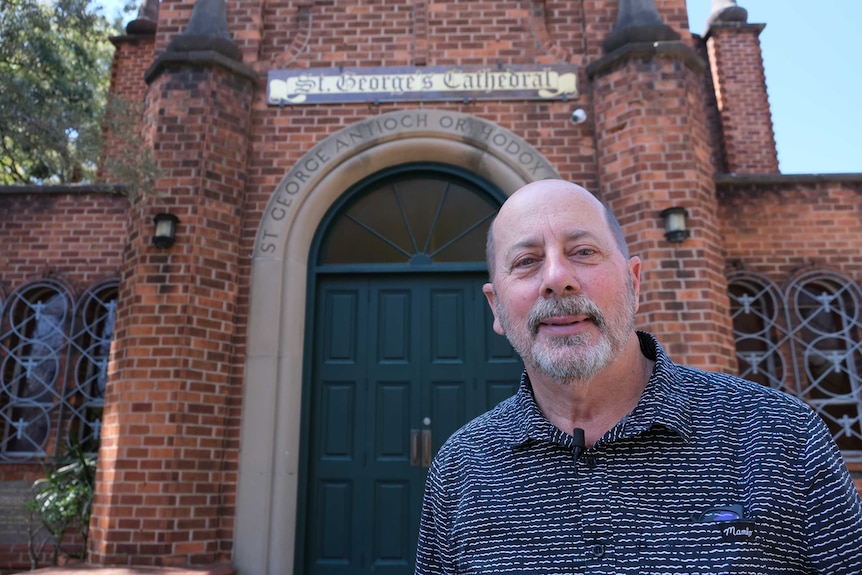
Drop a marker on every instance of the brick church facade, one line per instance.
(267, 390)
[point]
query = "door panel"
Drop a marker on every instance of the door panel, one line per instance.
(399, 363)
(498, 358)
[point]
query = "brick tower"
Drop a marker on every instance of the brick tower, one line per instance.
(653, 154)
(161, 470)
(133, 54)
(736, 62)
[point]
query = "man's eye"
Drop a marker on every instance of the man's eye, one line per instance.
(524, 262)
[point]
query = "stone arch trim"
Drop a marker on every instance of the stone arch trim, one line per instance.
(269, 472)
(391, 139)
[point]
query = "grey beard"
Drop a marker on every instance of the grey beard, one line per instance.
(572, 359)
(569, 359)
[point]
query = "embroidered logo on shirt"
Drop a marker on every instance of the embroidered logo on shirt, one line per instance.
(742, 530)
(730, 521)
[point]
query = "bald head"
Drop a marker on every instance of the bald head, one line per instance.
(545, 194)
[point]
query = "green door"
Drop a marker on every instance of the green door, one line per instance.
(399, 362)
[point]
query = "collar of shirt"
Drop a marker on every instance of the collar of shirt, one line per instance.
(665, 402)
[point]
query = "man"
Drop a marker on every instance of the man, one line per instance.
(611, 458)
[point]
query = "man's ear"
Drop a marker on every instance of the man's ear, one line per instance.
(635, 271)
(491, 295)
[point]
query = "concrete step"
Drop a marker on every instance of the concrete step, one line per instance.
(218, 569)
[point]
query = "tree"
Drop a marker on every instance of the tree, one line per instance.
(55, 60)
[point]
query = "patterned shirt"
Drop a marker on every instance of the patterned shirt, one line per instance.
(708, 474)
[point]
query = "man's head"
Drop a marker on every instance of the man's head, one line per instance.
(610, 218)
(563, 288)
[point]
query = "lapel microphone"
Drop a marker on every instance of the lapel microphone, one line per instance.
(579, 443)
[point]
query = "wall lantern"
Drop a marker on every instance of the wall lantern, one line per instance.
(165, 233)
(675, 224)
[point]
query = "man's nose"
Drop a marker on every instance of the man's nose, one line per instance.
(559, 276)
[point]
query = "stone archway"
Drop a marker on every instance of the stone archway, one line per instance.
(268, 474)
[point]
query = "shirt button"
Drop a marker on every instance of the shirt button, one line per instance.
(597, 550)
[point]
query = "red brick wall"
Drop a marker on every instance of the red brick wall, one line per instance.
(68, 233)
(713, 118)
(133, 55)
(779, 227)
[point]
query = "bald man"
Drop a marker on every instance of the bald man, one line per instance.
(611, 458)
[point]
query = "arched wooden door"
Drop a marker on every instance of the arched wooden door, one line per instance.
(402, 354)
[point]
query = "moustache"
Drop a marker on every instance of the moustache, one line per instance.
(571, 305)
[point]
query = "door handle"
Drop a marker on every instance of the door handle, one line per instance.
(420, 448)
(426, 448)
(415, 448)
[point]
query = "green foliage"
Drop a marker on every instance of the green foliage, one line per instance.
(55, 60)
(131, 161)
(64, 497)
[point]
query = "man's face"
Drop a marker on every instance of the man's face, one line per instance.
(562, 291)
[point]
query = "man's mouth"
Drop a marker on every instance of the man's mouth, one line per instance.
(561, 322)
(568, 320)
(558, 314)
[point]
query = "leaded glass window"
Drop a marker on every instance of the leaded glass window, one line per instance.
(825, 318)
(85, 397)
(805, 340)
(53, 367)
(416, 218)
(34, 345)
(755, 307)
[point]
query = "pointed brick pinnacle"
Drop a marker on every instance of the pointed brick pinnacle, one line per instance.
(726, 11)
(207, 31)
(146, 22)
(638, 21)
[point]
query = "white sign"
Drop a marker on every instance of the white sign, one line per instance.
(331, 85)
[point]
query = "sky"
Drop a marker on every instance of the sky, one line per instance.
(813, 62)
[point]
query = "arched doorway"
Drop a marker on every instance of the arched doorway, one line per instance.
(269, 470)
(400, 353)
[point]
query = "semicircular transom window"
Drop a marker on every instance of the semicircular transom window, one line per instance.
(418, 218)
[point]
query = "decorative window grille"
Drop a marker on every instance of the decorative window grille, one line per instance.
(805, 340)
(53, 367)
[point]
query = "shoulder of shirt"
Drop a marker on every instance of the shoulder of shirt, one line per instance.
(723, 389)
(482, 432)
(712, 386)
(714, 404)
